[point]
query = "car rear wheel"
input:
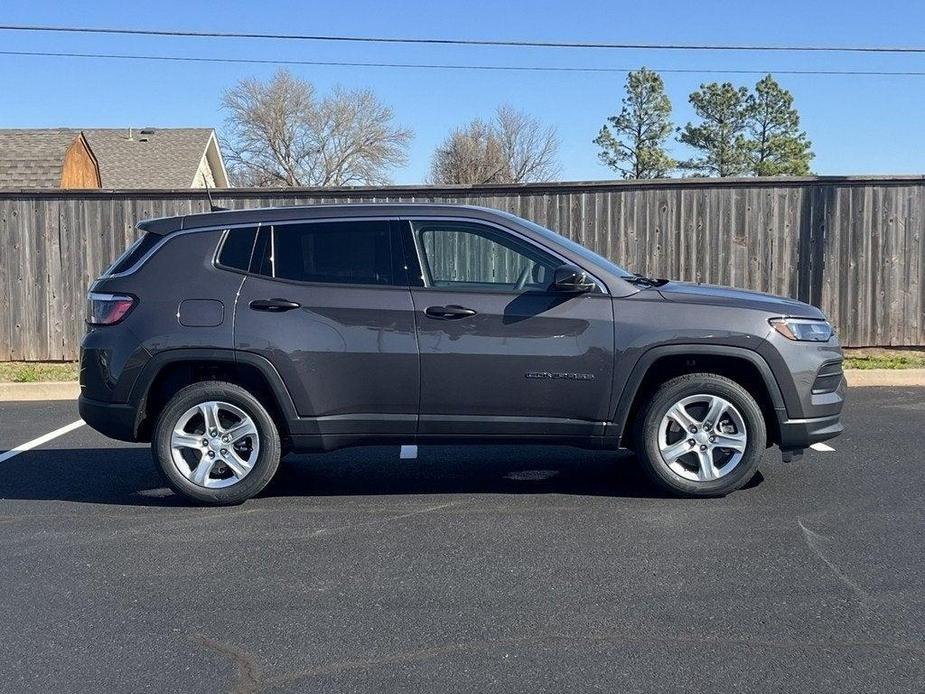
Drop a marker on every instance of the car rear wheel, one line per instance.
(701, 435)
(216, 444)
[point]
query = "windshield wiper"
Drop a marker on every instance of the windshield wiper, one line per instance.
(644, 281)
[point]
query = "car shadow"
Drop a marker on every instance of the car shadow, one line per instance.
(128, 476)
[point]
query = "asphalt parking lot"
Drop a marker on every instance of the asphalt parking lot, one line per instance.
(508, 569)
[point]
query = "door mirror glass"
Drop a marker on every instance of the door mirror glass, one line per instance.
(571, 278)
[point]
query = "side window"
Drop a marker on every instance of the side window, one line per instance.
(262, 264)
(462, 255)
(236, 249)
(134, 253)
(332, 252)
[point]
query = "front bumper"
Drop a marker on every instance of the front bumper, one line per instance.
(796, 434)
(115, 420)
(813, 387)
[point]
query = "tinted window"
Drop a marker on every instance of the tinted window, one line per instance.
(334, 252)
(263, 262)
(134, 253)
(236, 251)
(460, 255)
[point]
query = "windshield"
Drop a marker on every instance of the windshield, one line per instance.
(576, 248)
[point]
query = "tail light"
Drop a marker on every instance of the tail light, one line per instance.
(108, 309)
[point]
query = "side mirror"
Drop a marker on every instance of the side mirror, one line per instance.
(570, 278)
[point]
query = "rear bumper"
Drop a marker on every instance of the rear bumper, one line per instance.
(796, 434)
(115, 420)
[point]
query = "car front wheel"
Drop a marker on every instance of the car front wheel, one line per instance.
(216, 444)
(701, 435)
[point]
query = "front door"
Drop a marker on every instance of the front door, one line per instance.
(501, 354)
(327, 303)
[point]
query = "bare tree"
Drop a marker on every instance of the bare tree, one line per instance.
(279, 133)
(473, 154)
(513, 148)
(530, 148)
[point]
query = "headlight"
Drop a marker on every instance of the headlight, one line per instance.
(802, 329)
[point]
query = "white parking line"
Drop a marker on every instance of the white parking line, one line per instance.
(822, 447)
(40, 440)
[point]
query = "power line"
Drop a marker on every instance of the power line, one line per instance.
(443, 66)
(465, 42)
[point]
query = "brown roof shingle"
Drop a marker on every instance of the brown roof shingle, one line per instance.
(33, 158)
(164, 158)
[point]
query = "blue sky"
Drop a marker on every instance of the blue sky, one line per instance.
(859, 125)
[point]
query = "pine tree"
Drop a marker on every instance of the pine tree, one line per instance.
(720, 137)
(777, 145)
(633, 143)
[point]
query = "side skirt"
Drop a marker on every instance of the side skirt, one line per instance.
(314, 443)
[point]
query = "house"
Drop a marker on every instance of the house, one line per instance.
(111, 158)
(47, 159)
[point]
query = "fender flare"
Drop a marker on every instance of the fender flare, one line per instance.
(140, 390)
(648, 358)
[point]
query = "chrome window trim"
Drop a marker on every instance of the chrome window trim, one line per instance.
(272, 233)
(166, 238)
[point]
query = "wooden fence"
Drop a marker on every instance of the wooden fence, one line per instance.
(850, 245)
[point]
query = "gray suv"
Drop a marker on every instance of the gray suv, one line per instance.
(229, 338)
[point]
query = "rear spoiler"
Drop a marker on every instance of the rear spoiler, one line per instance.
(161, 226)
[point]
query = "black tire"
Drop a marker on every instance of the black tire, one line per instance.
(671, 392)
(267, 459)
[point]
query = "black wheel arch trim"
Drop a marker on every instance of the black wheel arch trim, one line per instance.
(649, 357)
(140, 390)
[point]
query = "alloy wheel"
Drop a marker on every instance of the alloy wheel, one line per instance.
(214, 444)
(702, 437)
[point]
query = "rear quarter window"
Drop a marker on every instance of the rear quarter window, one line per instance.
(237, 248)
(133, 253)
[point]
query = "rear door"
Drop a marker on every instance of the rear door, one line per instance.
(501, 354)
(327, 304)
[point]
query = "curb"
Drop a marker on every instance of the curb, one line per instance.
(41, 390)
(69, 390)
(885, 377)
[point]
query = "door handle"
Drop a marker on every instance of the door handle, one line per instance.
(273, 305)
(449, 312)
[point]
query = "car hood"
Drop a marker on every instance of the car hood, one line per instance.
(712, 295)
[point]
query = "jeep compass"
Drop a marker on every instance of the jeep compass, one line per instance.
(229, 338)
